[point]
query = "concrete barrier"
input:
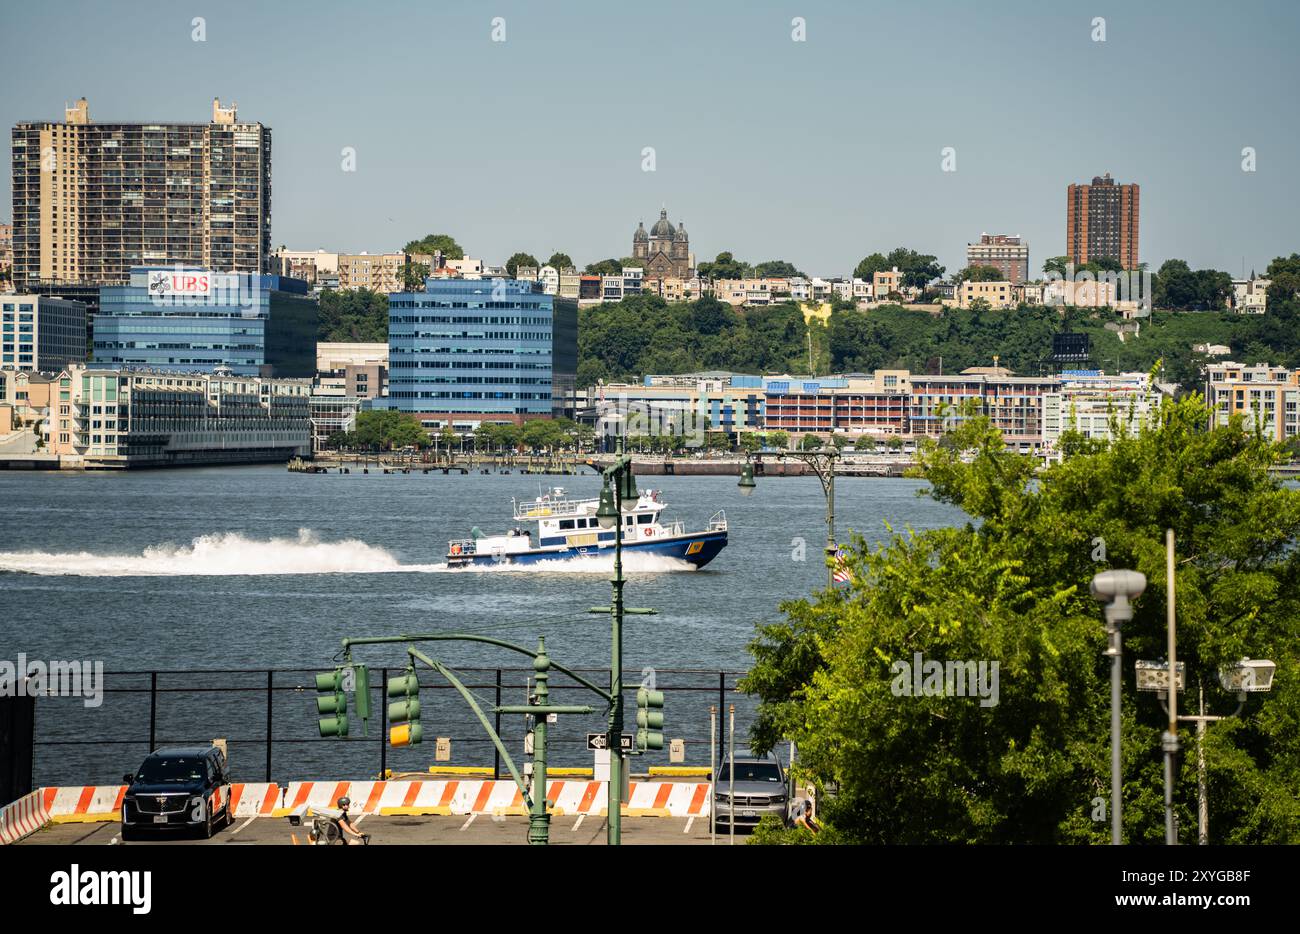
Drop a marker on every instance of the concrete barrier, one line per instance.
(92, 803)
(22, 817)
(500, 798)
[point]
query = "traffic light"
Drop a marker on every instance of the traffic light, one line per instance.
(649, 719)
(332, 703)
(404, 710)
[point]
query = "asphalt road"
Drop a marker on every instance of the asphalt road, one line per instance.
(482, 830)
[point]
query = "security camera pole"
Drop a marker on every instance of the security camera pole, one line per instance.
(1116, 589)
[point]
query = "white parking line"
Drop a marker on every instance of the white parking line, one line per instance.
(689, 822)
(469, 820)
(581, 818)
(243, 825)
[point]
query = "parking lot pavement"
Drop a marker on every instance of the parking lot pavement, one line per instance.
(480, 829)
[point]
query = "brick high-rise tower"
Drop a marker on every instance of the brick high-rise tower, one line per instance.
(1101, 220)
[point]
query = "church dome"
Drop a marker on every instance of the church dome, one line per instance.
(662, 228)
(640, 233)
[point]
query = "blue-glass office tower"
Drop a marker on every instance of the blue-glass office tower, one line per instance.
(473, 350)
(191, 320)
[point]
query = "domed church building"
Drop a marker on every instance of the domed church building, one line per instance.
(665, 250)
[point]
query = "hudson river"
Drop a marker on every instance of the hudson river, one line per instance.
(257, 568)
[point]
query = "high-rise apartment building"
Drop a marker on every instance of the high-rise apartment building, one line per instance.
(1007, 254)
(93, 200)
(1101, 220)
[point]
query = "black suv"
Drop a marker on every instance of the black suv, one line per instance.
(182, 787)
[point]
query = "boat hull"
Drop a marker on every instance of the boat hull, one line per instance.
(697, 548)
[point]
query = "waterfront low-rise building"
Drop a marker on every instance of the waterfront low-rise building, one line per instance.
(1267, 397)
(1094, 404)
(108, 417)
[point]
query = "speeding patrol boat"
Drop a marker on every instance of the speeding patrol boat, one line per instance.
(554, 526)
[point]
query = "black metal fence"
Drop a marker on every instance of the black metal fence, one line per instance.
(268, 718)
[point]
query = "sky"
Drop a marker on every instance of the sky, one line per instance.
(818, 151)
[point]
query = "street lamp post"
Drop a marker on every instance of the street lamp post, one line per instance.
(822, 463)
(619, 486)
(1116, 589)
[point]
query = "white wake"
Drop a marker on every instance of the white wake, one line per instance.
(229, 554)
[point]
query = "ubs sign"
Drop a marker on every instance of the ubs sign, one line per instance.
(163, 282)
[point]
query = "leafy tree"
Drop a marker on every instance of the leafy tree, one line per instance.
(725, 266)
(432, 243)
(1284, 279)
(1012, 586)
(413, 276)
(386, 429)
(871, 265)
(979, 274)
(605, 267)
(1177, 286)
(353, 315)
(917, 268)
(810, 442)
(520, 259)
(776, 268)
(1056, 264)
(778, 440)
(560, 261)
(631, 262)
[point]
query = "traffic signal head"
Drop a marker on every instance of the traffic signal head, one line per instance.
(331, 703)
(649, 719)
(404, 710)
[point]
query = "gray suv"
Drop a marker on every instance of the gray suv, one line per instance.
(760, 788)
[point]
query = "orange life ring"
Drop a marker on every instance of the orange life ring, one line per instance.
(455, 549)
(649, 531)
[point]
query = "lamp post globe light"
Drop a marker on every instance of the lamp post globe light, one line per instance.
(1117, 590)
(1248, 676)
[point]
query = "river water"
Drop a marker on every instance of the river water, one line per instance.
(257, 568)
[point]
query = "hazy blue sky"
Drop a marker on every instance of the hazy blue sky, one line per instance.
(818, 152)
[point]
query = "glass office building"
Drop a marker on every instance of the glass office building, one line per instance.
(473, 350)
(194, 320)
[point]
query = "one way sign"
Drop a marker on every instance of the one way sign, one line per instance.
(597, 741)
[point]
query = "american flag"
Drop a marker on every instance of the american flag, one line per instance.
(841, 574)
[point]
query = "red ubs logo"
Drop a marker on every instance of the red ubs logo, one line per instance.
(165, 283)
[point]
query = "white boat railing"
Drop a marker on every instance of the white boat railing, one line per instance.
(718, 521)
(550, 506)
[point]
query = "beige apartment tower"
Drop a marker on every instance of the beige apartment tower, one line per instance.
(91, 200)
